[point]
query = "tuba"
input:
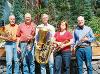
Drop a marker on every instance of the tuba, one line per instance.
(43, 47)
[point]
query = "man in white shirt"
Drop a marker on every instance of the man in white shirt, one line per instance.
(45, 24)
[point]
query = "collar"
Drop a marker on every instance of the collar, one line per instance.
(12, 25)
(46, 24)
(81, 27)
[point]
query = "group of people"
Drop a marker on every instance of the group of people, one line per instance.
(79, 41)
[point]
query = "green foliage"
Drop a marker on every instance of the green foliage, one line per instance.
(62, 9)
(88, 11)
(80, 7)
(57, 9)
(98, 12)
(94, 23)
(98, 3)
(19, 10)
(1, 9)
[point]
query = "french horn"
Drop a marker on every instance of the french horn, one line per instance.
(5, 35)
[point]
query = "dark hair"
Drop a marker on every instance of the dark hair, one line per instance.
(58, 25)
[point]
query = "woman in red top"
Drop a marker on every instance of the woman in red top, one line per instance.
(64, 39)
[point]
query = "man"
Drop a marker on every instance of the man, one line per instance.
(10, 46)
(25, 34)
(45, 24)
(83, 36)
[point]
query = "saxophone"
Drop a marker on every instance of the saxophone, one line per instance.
(43, 48)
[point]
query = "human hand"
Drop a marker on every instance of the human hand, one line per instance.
(18, 49)
(62, 45)
(73, 50)
(29, 37)
(29, 47)
(84, 39)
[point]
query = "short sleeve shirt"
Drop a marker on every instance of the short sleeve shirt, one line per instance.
(25, 30)
(61, 38)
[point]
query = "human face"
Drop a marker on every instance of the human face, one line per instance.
(63, 26)
(45, 19)
(12, 19)
(80, 21)
(27, 18)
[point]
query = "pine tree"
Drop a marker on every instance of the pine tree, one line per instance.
(62, 8)
(1, 8)
(88, 11)
(18, 10)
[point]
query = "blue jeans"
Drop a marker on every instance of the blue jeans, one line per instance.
(11, 54)
(28, 59)
(65, 57)
(51, 65)
(84, 54)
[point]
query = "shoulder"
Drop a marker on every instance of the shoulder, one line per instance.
(16, 25)
(56, 33)
(51, 26)
(21, 25)
(33, 24)
(41, 25)
(87, 27)
(7, 25)
(68, 33)
(77, 28)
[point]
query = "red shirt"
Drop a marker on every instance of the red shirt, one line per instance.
(61, 38)
(25, 30)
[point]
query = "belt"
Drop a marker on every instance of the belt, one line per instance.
(24, 42)
(83, 46)
(11, 41)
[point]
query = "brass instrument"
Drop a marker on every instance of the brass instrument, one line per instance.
(5, 35)
(56, 45)
(43, 47)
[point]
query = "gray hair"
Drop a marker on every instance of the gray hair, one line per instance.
(27, 15)
(11, 16)
(45, 15)
(80, 17)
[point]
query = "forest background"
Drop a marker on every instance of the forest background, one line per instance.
(57, 10)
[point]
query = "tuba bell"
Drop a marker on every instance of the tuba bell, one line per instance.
(43, 47)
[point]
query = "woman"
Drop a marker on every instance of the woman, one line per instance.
(63, 39)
